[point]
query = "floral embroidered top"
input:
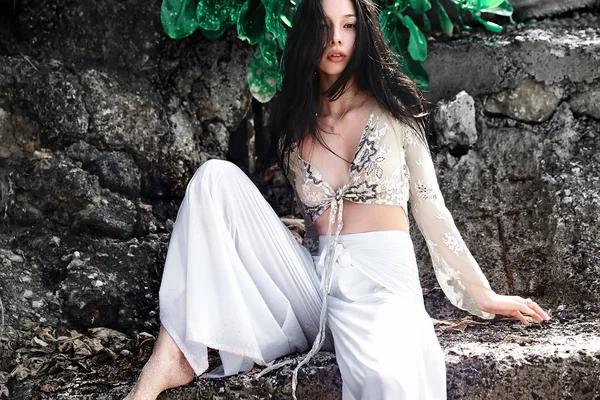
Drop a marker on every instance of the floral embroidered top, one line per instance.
(393, 166)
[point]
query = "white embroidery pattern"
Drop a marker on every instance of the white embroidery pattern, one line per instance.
(412, 139)
(377, 175)
(455, 244)
(425, 193)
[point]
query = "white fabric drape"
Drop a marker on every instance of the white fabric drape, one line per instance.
(236, 280)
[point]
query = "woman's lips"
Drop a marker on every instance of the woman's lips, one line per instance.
(336, 57)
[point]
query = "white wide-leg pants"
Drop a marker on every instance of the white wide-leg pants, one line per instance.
(236, 280)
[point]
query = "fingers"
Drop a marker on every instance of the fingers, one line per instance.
(520, 317)
(523, 308)
(529, 307)
(518, 307)
(539, 311)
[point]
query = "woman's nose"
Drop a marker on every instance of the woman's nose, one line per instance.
(336, 39)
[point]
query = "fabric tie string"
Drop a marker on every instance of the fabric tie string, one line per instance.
(328, 259)
(333, 252)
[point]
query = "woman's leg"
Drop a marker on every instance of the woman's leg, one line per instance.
(387, 349)
(235, 279)
(385, 342)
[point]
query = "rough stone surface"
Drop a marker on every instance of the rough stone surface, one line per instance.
(486, 360)
(125, 114)
(515, 198)
(524, 9)
(116, 171)
(53, 188)
(455, 123)
(53, 99)
(530, 101)
(546, 51)
(113, 287)
(108, 214)
(80, 282)
(26, 294)
(99, 33)
(587, 101)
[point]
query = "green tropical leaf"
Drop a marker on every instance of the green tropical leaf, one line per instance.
(400, 5)
(217, 15)
(426, 23)
(396, 43)
(212, 34)
(274, 24)
(505, 9)
(413, 69)
(289, 8)
(262, 78)
(268, 49)
(488, 24)
(251, 23)
(387, 21)
(178, 17)
(417, 45)
(460, 18)
(445, 22)
(420, 6)
(286, 20)
(481, 4)
(417, 73)
(279, 77)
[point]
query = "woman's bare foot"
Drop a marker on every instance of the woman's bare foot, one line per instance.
(166, 368)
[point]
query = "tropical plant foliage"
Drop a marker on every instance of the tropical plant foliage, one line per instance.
(264, 24)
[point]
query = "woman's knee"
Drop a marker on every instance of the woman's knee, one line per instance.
(215, 165)
(216, 173)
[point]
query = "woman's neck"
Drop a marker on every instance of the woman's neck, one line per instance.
(342, 104)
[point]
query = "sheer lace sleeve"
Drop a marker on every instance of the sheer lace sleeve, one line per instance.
(457, 272)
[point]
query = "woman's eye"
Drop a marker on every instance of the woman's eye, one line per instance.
(351, 26)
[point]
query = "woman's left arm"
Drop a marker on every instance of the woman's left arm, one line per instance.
(457, 271)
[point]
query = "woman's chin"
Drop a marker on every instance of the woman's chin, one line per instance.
(333, 71)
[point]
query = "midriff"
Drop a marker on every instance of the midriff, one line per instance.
(363, 218)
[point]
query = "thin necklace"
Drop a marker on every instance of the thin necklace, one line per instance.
(333, 130)
(332, 127)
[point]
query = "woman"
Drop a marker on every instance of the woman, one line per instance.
(351, 133)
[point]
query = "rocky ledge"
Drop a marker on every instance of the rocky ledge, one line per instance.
(497, 359)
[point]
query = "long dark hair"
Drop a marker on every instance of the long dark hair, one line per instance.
(372, 65)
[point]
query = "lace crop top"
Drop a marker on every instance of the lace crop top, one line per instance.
(393, 166)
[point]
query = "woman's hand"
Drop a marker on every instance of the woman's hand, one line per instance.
(514, 306)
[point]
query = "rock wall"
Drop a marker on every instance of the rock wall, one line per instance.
(517, 155)
(103, 120)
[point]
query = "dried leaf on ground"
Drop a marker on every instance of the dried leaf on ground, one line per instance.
(4, 393)
(39, 342)
(39, 355)
(455, 324)
(523, 339)
(44, 334)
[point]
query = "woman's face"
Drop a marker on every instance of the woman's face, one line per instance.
(340, 18)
